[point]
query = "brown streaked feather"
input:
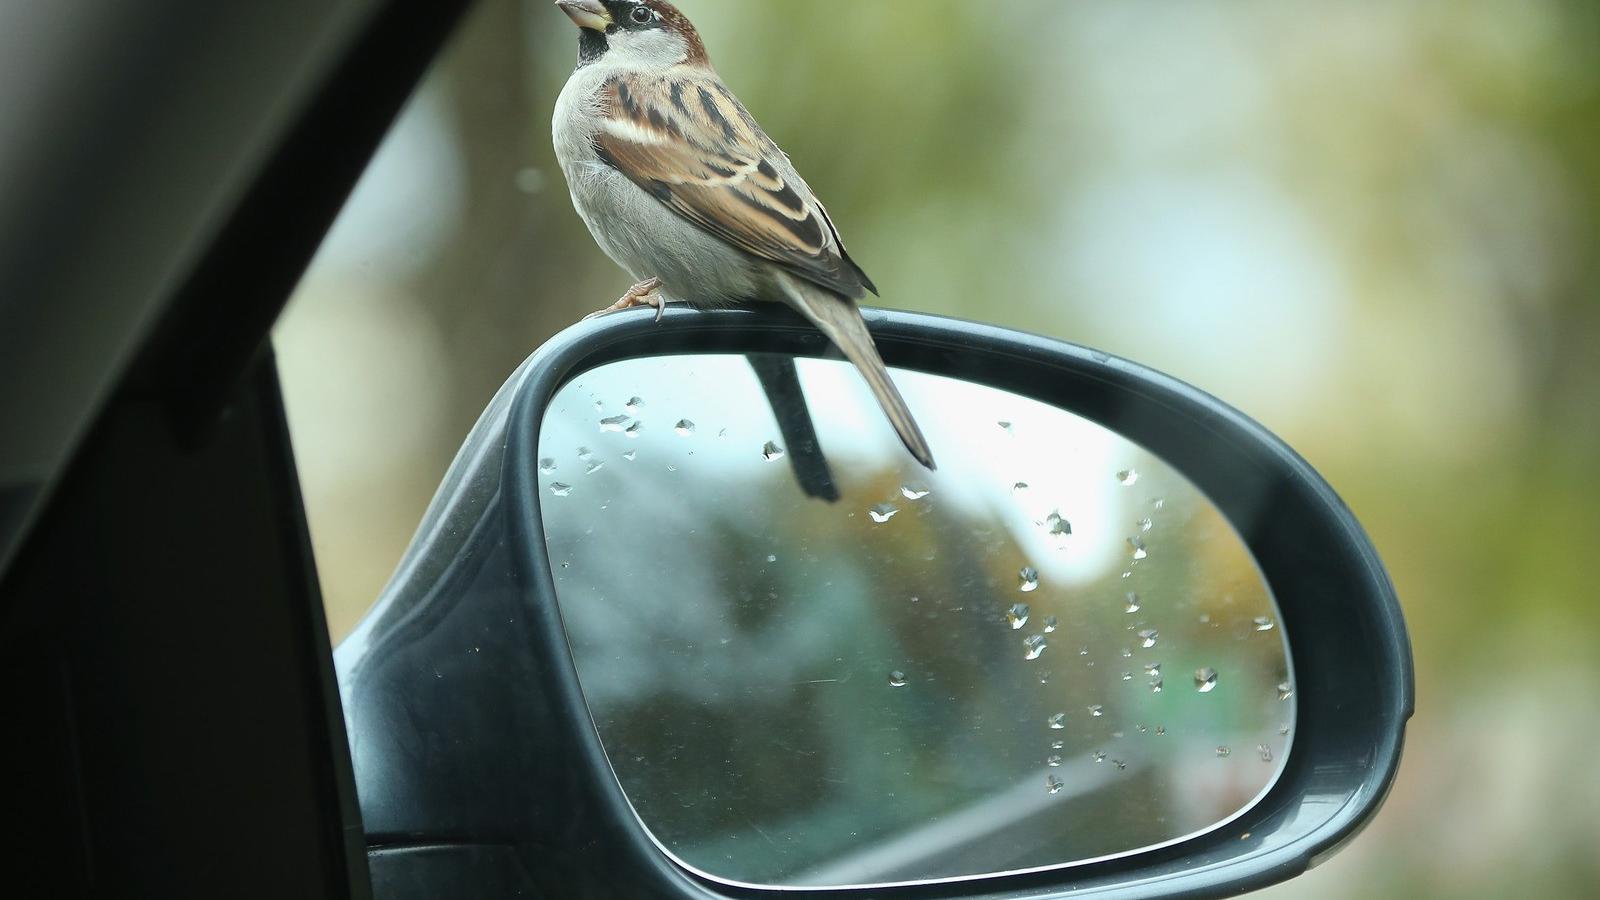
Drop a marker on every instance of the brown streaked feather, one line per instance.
(687, 140)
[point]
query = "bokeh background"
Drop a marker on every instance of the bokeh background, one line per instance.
(1371, 225)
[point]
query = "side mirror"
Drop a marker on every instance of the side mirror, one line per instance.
(685, 620)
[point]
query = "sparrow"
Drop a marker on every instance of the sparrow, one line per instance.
(684, 191)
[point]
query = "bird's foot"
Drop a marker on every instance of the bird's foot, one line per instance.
(645, 293)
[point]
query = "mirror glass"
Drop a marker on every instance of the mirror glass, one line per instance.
(835, 670)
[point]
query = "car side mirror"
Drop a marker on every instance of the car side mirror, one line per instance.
(686, 620)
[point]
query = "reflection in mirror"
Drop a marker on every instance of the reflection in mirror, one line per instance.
(848, 670)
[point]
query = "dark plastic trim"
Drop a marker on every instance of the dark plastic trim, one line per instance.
(161, 628)
(1339, 611)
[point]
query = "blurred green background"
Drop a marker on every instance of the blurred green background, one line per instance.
(1371, 225)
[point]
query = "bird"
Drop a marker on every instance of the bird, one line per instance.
(683, 190)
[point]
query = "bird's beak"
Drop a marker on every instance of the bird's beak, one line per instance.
(588, 14)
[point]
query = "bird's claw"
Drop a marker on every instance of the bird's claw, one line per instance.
(645, 293)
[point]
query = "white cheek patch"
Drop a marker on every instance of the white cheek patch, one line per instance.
(648, 48)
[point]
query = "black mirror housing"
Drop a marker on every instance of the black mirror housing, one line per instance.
(475, 753)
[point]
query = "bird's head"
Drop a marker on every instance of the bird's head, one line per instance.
(646, 33)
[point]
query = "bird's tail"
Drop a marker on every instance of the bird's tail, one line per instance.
(841, 321)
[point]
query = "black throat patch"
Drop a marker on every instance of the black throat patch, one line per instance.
(591, 46)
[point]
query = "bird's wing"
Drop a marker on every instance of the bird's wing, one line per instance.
(685, 139)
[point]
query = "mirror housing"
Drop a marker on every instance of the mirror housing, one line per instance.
(475, 751)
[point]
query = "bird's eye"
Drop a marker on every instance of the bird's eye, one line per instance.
(641, 15)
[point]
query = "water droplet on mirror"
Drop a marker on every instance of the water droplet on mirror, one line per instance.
(1050, 624)
(914, 491)
(1096, 710)
(585, 454)
(1285, 690)
(614, 424)
(1126, 653)
(1153, 670)
(1263, 623)
(1035, 645)
(594, 467)
(1053, 761)
(1017, 615)
(1054, 784)
(1224, 753)
(773, 557)
(1119, 764)
(1205, 680)
(561, 490)
(684, 428)
(897, 679)
(1128, 477)
(1283, 729)
(1132, 605)
(1057, 721)
(1019, 488)
(547, 466)
(1028, 580)
(1265, 752)
(1006, 427)
(1057, 745)
(633, 430)
(633, 406)
(772, 452)
(1158, 504)
(1148, 636)
(1144, 525)
(883, 512)
(631, 455)
(1127, 676)
(1157, 686)
(1136, 544)
(1057, 526)
(1099, 756)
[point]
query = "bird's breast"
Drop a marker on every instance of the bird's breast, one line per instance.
(577, 119)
